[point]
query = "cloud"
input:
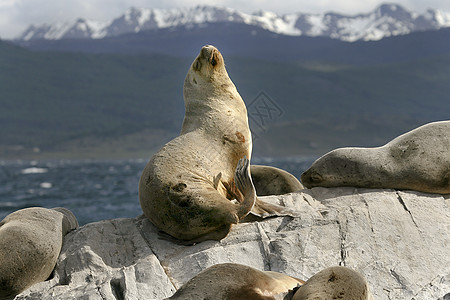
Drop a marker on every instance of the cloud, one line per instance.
(16, 15)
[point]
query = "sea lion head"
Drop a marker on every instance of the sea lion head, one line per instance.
(336, 168)
(209, 90)
(335, 283)
(207, 73)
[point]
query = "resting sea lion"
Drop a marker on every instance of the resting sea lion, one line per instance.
(417, 160)
(30, 242)
(334, 283)
(186, 187)
(273, 181)
(235, 282)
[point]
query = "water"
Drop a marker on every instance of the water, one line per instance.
(92, 189)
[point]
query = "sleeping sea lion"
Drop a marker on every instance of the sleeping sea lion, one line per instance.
(417, 160)
(30, 243)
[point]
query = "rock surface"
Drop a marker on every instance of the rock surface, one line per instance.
(399, 240)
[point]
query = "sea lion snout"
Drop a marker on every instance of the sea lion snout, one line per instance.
(311, 178)
(207, 51)
(211, 55)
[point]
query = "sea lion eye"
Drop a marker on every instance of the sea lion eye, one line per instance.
(316, 177)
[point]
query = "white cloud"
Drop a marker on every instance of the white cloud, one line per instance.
(16, 15)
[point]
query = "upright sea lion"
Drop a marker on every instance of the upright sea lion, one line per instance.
(235, 282)
(417, 160)
(187, 187)
(30, 243)
(273, 181)
(334, 283)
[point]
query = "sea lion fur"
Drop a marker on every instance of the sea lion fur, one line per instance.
(187, 187)
(230, 281)
(269, 180)
(30, 243)
(334, 283)
(417, 160)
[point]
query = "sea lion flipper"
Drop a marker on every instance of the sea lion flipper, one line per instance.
(264, 209)
(216, 180)
(244, 183)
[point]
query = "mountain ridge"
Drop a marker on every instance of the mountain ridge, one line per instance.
(386, 20)
(101, 105)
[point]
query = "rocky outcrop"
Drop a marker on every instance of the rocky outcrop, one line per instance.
(398, 240)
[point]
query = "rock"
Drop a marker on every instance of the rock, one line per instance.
(398, 240)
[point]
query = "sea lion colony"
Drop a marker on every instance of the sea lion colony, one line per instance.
(199, 184)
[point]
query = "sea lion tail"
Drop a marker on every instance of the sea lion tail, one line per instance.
(245, 185)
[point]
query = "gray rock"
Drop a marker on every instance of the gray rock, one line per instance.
(398, 240)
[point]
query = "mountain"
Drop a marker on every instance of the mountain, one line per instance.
(386, 20)
(101, 105)
(256, 43)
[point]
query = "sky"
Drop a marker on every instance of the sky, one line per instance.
(17, 15)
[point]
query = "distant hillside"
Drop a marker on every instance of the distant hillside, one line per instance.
(251, 41)
(103, 105)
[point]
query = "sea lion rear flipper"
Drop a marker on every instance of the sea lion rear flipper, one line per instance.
(264, 209)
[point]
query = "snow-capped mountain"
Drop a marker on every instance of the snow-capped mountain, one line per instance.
(386, 20)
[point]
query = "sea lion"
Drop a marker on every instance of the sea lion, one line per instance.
(186, 187)
(273, 181)
(235, 282)
(417, 160)
(230, 281)
(334, 283)
(30, 243)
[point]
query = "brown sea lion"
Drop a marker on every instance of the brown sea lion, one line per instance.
(273, 181)
(334, 283)
(236, 282)
(187, 187)
(30, 243)
(417, 160)
(230, 281)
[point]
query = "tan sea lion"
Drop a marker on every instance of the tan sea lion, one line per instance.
(334, 283)
(417, 160)
(186, 187)
(30, 242)
(273, 181)
(236, 282)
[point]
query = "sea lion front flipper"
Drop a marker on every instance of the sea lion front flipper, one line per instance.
(244, 183)
(216, 180)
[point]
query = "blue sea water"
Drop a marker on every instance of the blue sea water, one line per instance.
(93, 190)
